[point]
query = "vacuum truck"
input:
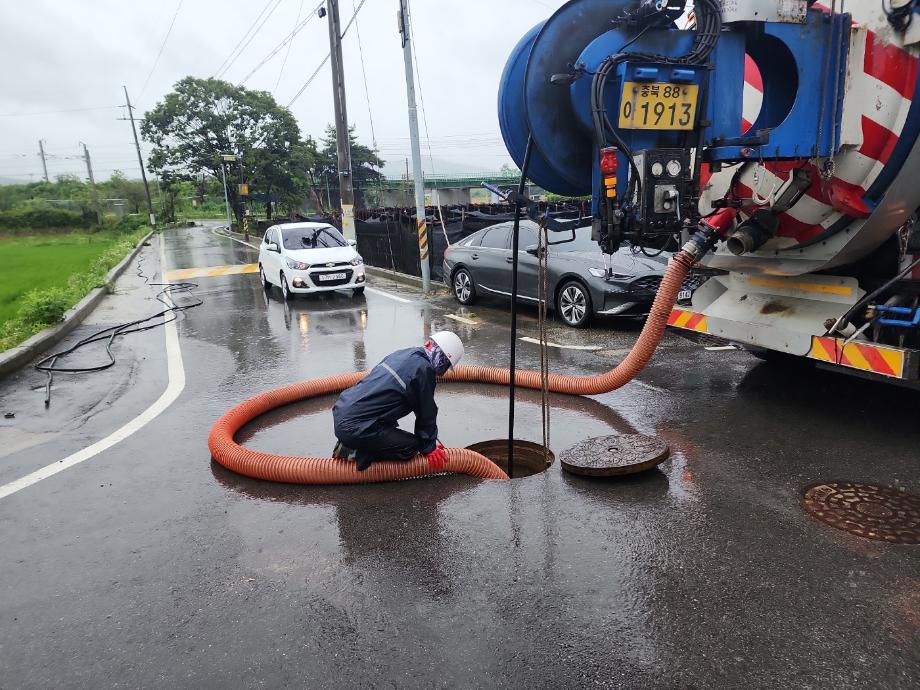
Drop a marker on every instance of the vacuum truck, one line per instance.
(786, 129)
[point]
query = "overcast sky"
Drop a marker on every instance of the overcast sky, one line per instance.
(76, 55)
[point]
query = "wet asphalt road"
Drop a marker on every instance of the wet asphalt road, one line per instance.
(150, 566)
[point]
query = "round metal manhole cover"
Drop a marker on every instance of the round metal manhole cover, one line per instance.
(610, 456)
(872, 512)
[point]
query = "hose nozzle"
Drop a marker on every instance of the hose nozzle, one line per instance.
(754, 233)
(710, 230)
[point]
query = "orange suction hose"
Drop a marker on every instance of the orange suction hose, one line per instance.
(302, 470)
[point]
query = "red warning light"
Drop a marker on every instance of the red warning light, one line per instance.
(609, 161)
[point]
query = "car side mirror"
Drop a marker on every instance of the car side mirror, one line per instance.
(272, 247)
(533, 250)
(352, 243)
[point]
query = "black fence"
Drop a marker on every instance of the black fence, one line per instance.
(387, 238)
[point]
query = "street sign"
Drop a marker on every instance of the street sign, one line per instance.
(229, 158)
(244, 190)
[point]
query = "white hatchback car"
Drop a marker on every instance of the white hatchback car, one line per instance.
(309, 257)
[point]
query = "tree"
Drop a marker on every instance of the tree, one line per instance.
(364, 160)
(202, 119)
(120, 187)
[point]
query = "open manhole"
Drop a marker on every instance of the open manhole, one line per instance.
(529, 458)
(611, 456)
(874, 512)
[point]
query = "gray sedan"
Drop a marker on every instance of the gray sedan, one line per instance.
(580, 282)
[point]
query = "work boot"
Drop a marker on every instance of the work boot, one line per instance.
(364, 461)
(343, 452)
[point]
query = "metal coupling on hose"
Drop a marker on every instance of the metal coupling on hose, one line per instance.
(710, 230)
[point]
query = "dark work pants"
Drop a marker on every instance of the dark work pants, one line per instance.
(384, 444)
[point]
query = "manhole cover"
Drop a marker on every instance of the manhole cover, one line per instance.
(873, 512)
(608, 456)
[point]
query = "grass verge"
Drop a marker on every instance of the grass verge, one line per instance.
(41, 277)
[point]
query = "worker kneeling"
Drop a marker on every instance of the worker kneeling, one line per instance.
(366, 415)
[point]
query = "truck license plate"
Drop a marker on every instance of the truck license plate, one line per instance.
(331, 276)
(658, 105)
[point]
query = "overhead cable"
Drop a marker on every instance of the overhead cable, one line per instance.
(160, 51)
(225, 65)
(325, 59)
(290, 42)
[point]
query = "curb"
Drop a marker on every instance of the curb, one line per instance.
(436, 285)
(22, 354)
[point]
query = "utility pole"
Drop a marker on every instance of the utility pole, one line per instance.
(420, 220)
(140, 159)
(41, 152)
(243, 193)
(342, 139)
(92, 181)
(223, 173)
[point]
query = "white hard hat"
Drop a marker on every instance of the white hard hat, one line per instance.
(450, 345)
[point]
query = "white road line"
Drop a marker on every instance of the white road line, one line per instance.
(176, 373)
(388, 295)
(586, 348)
(214, 231)
(463, 319)
(721, 348)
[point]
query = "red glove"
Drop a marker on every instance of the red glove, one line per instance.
(438, 457)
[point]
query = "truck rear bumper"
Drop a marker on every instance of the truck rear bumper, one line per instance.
(787, 315)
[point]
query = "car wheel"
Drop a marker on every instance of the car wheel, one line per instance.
(574, 304)
(464, 287)
(357, 292)
(264, 279)
(285, 290)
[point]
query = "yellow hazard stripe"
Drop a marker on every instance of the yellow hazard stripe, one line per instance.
(843, 290)
(211, 271)
(688, 320)
(862, 356)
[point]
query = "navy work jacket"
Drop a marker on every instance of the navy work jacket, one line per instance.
(403, 382)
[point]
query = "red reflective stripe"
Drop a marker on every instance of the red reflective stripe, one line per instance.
(793, 227)
(890, 64)
(745, 125)
(878, 141)
(752, 74)
(876, 361)
(694, 321)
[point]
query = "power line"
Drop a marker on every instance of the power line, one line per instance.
(290, 42)
(219, 70)
(325, 59)
(367, 93)
(280, 46)
(254, 34)
(160, 51)
(310, 80)
(66, 110)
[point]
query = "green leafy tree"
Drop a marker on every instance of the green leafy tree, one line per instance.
(201, 119)
(365, 173)
(118, 186)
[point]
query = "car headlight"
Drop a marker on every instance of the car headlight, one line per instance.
(601, 273)
(297, 265)
(357, 261)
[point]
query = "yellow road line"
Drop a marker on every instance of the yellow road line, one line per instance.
(211, 271)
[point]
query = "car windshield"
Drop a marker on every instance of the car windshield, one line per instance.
(312, 238)
(582, 243)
